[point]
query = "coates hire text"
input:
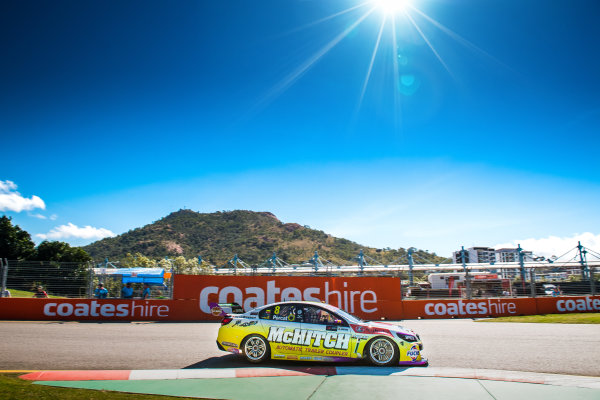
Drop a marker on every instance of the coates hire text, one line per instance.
(349, 300)
(95, 309)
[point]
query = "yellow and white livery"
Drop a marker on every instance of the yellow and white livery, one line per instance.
(310, 331)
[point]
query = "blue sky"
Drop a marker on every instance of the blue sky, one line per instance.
(474, 122)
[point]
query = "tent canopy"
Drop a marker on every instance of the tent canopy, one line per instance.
(144, 275)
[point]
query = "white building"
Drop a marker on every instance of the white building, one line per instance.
(475, 255)
(488, 255)
(512, 255)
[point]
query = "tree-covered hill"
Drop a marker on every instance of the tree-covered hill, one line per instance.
(254, 236)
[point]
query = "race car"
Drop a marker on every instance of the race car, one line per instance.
(311, 331)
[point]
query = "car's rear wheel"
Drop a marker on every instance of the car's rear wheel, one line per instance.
(383, 352)
(256, 348)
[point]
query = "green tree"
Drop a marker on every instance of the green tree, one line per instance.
(137, 260)
(15, 243)
(60, 251)
(188, 266)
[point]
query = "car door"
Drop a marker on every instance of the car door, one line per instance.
(327, 336)
(282, 322)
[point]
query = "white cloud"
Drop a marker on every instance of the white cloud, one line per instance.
(7, 186)
(53, 217)
(11, 200)
(73, 231)
(554, 245)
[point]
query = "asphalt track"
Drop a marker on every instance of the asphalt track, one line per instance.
(549, 348)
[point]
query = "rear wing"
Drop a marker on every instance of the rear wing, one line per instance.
(223, 309)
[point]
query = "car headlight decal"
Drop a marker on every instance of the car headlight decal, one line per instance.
(406, 337)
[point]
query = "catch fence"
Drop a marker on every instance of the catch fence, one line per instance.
(424, 281)
(73, 280)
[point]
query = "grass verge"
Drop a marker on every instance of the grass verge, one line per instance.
(580, 318)
(13, 388)
(24, 293)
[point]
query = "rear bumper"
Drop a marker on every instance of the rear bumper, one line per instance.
(220, 347)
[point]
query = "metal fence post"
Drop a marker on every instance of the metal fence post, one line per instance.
(582, 261)
(173, 273)
(468, 281)
(411, 279)
(361, 262)
(90, 288)
(4, 270)
(532, 282)
(522, 266)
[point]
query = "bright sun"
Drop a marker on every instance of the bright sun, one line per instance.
(392, 7)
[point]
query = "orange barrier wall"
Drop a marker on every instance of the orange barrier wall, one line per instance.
(568, 304)
(367, 297)
(459, 308)
(93, 310)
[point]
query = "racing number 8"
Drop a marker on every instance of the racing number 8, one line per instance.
(277, 309)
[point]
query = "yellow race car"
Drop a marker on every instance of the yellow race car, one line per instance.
(310, 331)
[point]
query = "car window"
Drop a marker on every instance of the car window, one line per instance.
(318, 315)
(265, 313)
(287, 312)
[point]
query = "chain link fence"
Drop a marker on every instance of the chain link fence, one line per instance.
(80, 280)
(60, 279)
(75, 280)
(453, 280)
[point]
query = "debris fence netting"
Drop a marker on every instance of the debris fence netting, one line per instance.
(81, 280)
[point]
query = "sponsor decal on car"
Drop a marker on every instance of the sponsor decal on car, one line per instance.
(243, 324)
(370, 330)
(413, 353)
(288, 348)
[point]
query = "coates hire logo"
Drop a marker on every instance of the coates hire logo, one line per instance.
(252, 297)
(587, 304)
(109, 310)
(485, 307)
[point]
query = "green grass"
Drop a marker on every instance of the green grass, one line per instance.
(24, 293)
(13, 388)
(580, 318)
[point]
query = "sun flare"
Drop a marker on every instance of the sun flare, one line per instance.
(392, 7)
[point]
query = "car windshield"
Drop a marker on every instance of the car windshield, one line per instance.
(348, 317)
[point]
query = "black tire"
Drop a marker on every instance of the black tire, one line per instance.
(382, 352)
(256, 349)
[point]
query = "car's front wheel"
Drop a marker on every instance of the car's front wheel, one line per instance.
(256, 348)
(383, 352)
